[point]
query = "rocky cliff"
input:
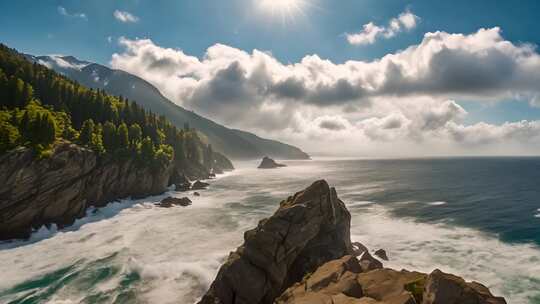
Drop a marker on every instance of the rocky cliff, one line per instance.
(303, 255)
(58, 189)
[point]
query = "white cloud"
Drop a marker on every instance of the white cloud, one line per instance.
(125, 17)
(371, 32)
(63, 11)
(406, 98)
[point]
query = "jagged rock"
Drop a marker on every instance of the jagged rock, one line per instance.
(304, 250)
(198, 185)
(196, 194)
(381, 253)
(268, 163)
(309, 229)
(173, 201)
(368, 262)
(443, 288)
(359, 248)
(183, 184)
(58, 189)
(335, 279)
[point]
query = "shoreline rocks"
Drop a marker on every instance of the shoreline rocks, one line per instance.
(308, 230)
(303, 255)
(198, 185)
(268, 163)
(60, 188)
(173, 201)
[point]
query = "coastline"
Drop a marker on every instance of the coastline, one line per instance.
(177, 251)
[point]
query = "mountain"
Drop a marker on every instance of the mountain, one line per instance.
(232, 142)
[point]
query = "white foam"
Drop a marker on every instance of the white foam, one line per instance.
(462, 251)
(437, 203)
(177, 251)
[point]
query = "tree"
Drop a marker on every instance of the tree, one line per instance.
(97, 139)
(87, 130)
(109, 137)
(123, 136)
(9, 134)
(47, 129)
(135, 134)
(147, 150)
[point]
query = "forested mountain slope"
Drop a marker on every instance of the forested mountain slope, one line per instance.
(65, 147)
(233, 143)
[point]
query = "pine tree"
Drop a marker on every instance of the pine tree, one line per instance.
(87, 129)
(109, 137)
(135, 134)
(147, 149)
(123, 136)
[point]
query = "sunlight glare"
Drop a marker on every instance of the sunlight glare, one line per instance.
(285, 8)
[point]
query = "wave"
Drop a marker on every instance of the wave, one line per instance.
(437, 203)
(510, 270)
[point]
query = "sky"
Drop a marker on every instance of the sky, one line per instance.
(348, 77)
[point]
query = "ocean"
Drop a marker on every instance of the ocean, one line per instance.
(475, 217)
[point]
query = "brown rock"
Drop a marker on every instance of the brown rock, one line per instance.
(381, 253)
(389, 286)
(443, 288)
(58, 189)
(368, 262)
(173, 201)
(198, 185)
(268, 163)
(308, 230)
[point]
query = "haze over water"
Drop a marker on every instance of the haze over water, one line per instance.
(475, 217)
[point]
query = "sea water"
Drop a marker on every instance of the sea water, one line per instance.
(475, 217)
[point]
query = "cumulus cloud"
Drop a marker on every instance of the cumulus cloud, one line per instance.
(409, 95)
(125, 17)
(63, 11)
(371, 32)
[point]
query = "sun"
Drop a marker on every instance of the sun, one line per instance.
(286, 9)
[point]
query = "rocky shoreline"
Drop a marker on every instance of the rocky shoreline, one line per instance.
(58, 189)
(303, 254)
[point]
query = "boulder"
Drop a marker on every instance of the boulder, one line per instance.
(443, 288)
(368, 262)
(198, 185)
(309, 229)
(303, 255)
(359, 248)
(196, 194)
(381, 253)
(183, 183)
(268, 163)
(173, 201)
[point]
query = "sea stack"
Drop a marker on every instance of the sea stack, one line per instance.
(303, 254)
(268, 163)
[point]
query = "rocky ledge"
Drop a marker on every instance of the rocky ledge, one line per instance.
(303, 255)
(268, 163)
(58, 189)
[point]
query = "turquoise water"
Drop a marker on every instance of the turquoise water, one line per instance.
(476, 217)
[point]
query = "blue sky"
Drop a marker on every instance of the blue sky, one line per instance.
(83, 28)
(194, 25)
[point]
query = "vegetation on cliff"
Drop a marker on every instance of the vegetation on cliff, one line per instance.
(39, 107)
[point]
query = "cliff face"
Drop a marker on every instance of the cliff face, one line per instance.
(309, 229)
(58, 189)
(303, 254)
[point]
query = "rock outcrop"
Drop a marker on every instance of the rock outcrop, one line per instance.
(381, 253)
(268, 163)
(198, 185)
(308, 230)
(173, 201)
(58, 189)
(303, 255)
